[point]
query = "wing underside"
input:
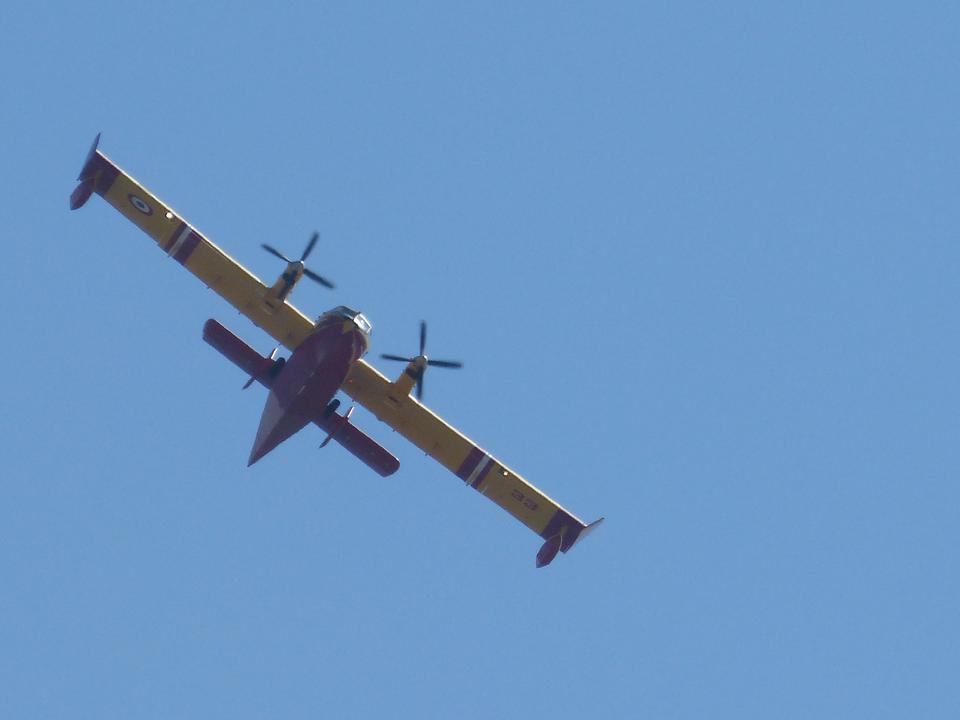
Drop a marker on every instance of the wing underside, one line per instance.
(185, 244)
(477, 468)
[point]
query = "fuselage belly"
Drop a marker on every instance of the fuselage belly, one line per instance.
(308, 381)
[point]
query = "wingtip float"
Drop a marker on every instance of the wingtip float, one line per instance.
(86, 178)
(326, 357)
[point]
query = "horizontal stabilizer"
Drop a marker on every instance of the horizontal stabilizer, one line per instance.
(238, 352)
(339, 428)
(357, 442)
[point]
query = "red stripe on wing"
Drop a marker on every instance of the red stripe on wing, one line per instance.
(187, 248)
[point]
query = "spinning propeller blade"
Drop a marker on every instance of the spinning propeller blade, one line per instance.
(310, 244)
(306, 253)
(422, 361)
(277, 253)
(317, 278)
(452, 364)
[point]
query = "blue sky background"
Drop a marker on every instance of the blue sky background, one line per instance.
(700, 260)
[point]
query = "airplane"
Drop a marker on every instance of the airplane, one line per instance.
(326, 357)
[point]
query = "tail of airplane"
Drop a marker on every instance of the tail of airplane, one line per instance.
(338, 427)
(277, 424)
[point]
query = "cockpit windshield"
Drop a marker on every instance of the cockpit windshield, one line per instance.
(347, 314)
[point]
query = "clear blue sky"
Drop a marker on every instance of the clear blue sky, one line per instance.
(700, 260)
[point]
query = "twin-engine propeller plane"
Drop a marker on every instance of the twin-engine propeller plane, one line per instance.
(325, 357)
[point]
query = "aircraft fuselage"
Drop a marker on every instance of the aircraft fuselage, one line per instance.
(309, 380)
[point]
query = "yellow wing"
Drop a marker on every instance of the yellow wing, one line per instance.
(185, 244)
(389, 401)
(392, 403)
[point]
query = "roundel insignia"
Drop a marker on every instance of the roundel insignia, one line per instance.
(140, 204)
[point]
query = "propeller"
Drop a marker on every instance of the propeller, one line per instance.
(422, 361)
(306, 253)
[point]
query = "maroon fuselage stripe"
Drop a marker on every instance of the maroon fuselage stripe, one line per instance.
(173, 238)
(470, 463)
(188, 246)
